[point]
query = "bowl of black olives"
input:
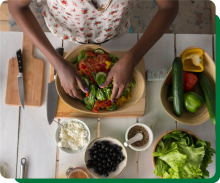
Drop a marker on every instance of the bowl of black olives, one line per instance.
(105, 157)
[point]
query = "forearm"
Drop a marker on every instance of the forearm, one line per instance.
(158, 26)
(29, 25)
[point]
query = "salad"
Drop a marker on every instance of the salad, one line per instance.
(94, 68)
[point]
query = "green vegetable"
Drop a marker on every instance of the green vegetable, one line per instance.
(100, 78)
(110, 86)
(178, 91)
(176, 158)
(192, 101)
(86, 101)
(209, 95)
(108, 92)
(113, 107)
(131, 84)
(82, 55)
(170, 93)
(89, 107)
(100, 95)
(75, 61)
(114, 59)
(125, 93)
(99, 51)
(86, 80)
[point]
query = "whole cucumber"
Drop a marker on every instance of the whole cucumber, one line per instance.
(209, 95)
(178, 85)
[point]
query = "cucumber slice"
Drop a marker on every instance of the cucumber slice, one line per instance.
(100, 74)
(99, 51)
(170, 93)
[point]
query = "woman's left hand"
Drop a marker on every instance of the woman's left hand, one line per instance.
(122, 74)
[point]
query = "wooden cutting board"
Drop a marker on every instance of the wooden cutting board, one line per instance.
(65, 111)
(33, 75)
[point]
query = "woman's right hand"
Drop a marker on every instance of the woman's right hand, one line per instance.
(69, 77)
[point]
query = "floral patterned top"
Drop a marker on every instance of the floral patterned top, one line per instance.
(78, 20)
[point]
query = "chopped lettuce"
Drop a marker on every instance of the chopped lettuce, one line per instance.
(100, 95)
(108, 92)
(114, 59)
(82, 55)
(113, 107)
(177, 156)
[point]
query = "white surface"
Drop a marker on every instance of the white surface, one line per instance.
(9, 115)
(76, 160)
(117, 127)
(205, 131)
(160, 56)
(34, 142)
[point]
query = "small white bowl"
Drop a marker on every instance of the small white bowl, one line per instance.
(146, 146)
(120, 167)
(67, 150)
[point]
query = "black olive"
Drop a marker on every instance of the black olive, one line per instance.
(90, 161)
(104, 166)
(91, 155)
(90, 151)
(108, 164)
(107, 148)
(106, 174)
(95, 162)
(119, 148)
(100, 150)
(114, 146)
(95, 151)
(100, 164)
(109, 169)
(113, 169)
(118, 161)
(100, 155)
(103, 146)
(104, 161)
(99, 159)
(114, 164)
(106, 155)
(114, 154)
(103, 142)
(109, 160)
(89, 165)
(111, 149)
(110, 153)
(93, 148)
(96, 170)
(100, 173)
(96, 144)
(122, 158)
(95, 156)
(107, 143)
(100, 168)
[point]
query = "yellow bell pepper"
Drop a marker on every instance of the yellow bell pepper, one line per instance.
(108, 64)
(108, 107)
(128, 96)
(123, 98)
(193, 60)
(117, 103)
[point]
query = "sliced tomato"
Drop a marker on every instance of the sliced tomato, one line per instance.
(99, 104)
(90, 54)
(89, 63)
(100, 64)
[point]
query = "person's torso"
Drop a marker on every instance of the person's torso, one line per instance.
(79, 20)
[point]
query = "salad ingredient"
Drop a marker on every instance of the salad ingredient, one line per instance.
(114, 59)
(78, 173)
(82, 55)
(90, 75)
(113, 107)
(192, 101)
(108, 64)
(170, 93)
(74, 136)
(193, 60)
(100, 78)
(190, 81)
(99, 51)
(89, 107)
(177, 86)
(108, 92)
(105, 157)
(209, 95)
(90, 54)
(139, 129)
(100, 95)
(177, 156)
(100, 65)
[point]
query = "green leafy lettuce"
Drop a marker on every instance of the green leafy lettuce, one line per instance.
(177, 156)
(114, 59)
(100, 95)
(113, 107)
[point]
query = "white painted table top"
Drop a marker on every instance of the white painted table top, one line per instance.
(26, 133)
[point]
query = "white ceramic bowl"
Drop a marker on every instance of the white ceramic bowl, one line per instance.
(120, 167)
(67, 150)
(146, 146)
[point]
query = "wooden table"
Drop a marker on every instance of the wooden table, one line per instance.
(26, 133)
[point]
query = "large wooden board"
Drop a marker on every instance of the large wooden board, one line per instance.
(33, 75)
(65, 111)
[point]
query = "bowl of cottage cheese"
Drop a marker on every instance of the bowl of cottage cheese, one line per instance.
(72, 136)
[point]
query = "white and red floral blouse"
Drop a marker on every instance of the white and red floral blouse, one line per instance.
(78, 20)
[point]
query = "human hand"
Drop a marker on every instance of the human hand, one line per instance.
(122, 74)
(69, 77)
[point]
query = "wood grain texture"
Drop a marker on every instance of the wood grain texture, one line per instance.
(205, 131)
(202, 114)
(9, 115)
(33, 76)
(4, 26)
(37, 137)
(160, 56)
(4, 13)
(76, 160)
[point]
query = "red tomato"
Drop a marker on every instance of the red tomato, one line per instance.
(90, 54)
(190, 80)
(89, 63)
(100, 64)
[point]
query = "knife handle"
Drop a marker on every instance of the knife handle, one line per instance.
(60, 51)
(19, 58)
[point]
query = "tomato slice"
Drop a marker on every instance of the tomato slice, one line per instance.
(90, 54)
(100, 64)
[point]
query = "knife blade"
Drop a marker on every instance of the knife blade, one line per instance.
(20, 78)
(52, 95)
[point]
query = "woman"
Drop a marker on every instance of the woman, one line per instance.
(88, 21)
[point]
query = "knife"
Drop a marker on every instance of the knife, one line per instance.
(20, 78)
(52, 96)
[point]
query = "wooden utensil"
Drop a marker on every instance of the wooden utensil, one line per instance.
(202, 114)
(130, 108)
(33, 73)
